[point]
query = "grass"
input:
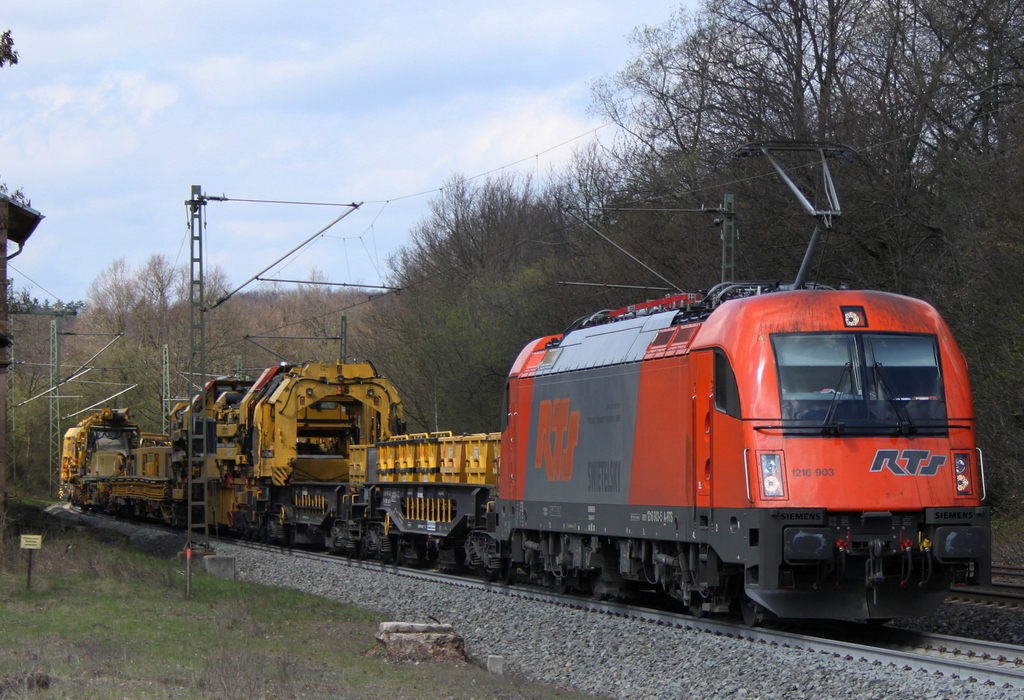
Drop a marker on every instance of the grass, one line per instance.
(110, 623)
(1007, 544)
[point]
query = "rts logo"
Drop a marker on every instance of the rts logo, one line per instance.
(557, 433)
(914, 462)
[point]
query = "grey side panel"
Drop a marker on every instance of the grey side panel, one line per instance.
(605, 400)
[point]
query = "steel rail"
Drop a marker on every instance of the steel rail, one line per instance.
(989, 663)
(985, 662)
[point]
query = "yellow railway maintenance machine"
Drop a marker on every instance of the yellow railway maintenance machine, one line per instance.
(291, 442)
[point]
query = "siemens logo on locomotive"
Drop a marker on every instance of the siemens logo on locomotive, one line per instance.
(912, 462)
(802, 516)
(953, 515)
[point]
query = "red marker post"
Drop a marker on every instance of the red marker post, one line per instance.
(188, 571)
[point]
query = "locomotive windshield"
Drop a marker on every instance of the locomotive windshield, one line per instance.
(860, 383)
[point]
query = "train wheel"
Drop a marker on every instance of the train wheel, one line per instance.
(696, 605)
(500, 574)
(753, 613)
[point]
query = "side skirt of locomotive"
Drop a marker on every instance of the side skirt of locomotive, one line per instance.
(791, 563)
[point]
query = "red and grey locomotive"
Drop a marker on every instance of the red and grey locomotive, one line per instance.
(810, 453)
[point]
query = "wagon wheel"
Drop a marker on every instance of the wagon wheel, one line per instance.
(511, 573)
(500, 573)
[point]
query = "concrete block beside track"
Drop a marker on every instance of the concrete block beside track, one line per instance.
(220, 566)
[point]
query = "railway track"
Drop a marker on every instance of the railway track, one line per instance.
(989, 663)
(1006, 591)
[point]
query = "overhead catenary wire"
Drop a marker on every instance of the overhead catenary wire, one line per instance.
(453, 268)
(98, 352)
(102, 401)
(52, 388)
(352, 207)
(48, 292)
(260, 345)
(327, 284)
(224, 198)
(422, 280)
(625, 252)
(615, 286)
(612, 122)
(387, 201)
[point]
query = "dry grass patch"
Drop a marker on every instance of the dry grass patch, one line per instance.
(110, 623)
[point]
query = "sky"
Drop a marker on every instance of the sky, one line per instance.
(116, 108)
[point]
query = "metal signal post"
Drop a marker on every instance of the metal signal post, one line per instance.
(197, 447)
(728, 212)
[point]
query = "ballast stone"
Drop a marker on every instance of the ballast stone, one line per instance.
(413, 641)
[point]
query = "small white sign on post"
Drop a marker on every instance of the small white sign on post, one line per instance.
(31, 541)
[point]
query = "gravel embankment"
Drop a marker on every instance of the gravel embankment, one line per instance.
(601, 654)
(609, 656)
(973, 622)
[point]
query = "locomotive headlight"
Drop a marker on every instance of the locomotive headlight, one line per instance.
(771, 476)
(962, 468)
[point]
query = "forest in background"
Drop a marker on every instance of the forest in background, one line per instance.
(928, 93)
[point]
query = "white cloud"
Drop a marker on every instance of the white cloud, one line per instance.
(76, 129)
(117, 107)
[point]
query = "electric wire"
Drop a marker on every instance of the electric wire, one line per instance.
(622, 125)
(690, 191)
(48, 292)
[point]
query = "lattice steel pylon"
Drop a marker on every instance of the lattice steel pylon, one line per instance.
(196, 458)
(728, 212)
(56, 436)
(165, 390)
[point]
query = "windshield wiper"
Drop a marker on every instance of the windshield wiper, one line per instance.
(904, 426)
(827, 426)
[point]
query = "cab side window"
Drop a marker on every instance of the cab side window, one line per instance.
(727, 394)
